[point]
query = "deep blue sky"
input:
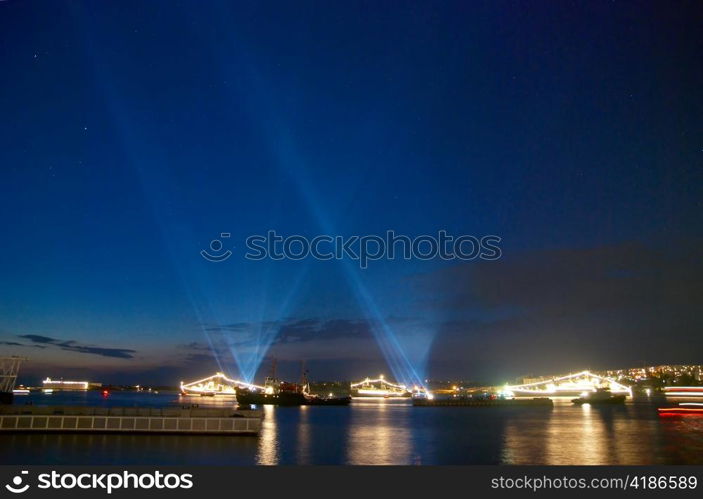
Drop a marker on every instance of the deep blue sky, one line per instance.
(133, 133)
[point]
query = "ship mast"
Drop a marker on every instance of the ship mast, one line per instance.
(304, 384)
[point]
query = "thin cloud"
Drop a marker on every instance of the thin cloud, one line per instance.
(15, 344)
(74, 346)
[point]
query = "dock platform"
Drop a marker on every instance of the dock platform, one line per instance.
(177, 420)
(466, 402)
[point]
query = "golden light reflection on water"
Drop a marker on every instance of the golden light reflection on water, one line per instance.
(378, 434)
(304, 437)
(591, 444)
(269, 451)
(580, 435)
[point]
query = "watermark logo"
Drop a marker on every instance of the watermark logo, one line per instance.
(16, 487)
(105, 482)
(113, 481)
(216, 246)
(367, 248)
(362, 249)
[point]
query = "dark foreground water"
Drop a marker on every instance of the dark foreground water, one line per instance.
(380, 432)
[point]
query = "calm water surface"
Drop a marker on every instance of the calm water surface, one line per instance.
(380, 432)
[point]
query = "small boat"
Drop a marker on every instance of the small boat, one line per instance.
(599, 397)
(683, 409)
(328, 400)
(20, 391)
(47, 391)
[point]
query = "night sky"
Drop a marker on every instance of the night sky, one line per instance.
(134, 133)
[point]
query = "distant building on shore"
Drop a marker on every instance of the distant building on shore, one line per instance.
(694, 371)
(61, 384)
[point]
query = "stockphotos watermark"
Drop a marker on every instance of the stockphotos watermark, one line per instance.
(107, 482)
(362, 249)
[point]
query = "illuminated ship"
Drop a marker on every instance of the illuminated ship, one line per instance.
(378, 388)
(277, 392)
(217, 384)
(274, 392)
(65, 385)
(571, 385)
(281, 393)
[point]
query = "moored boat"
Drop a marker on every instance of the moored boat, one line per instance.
(599, 397)
(274, 392)
(277, 392)
(379, 387)
(328, 400)
(217, 384)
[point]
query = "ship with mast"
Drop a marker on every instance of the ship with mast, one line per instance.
(379, 387)
(278, 392)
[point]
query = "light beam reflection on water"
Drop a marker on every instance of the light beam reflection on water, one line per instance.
(268, 452)
(583, 436)
(380, 436)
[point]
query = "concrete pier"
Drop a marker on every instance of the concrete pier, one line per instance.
(466, 402)
(200, 420)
